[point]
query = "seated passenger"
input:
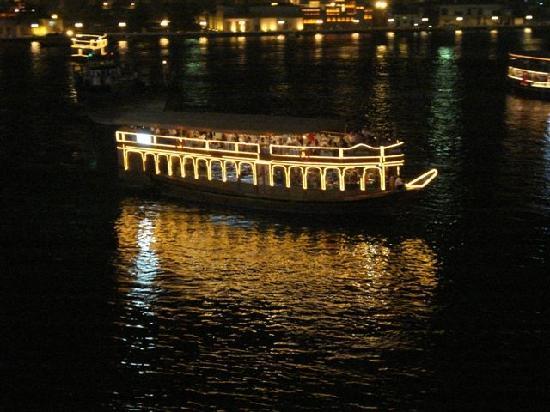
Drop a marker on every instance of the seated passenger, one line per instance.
(399, 185)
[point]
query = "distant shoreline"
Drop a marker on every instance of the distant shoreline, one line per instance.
(303, 33)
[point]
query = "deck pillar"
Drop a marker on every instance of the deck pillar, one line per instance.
(341, 179)
(157, 166)
(224, 171)
(254, 174)
(209, 169)
(182, 167)
(196, 168)
(125, 157)
(287, 176)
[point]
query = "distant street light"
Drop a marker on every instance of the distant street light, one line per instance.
(79, 25)
(164, 23)
(528, 17)
(121, 24)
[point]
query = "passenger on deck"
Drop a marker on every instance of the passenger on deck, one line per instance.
(399, 185)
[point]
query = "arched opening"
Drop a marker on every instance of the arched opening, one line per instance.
(231, 171)
(202, 167)
(313, 176)
(175, 166)
(216, 167)
(163, 165)
(188, 167)
(332, 179)
(150, 166)
(279, 176)
(296, 177)
(371, 179)
(135, 162)
(246, 172)
(352, 178)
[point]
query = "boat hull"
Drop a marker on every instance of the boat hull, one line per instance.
(525, 90)
(216, 195)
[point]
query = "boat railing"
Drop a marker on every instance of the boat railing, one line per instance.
(358, 153)
(85, 43)
(422, 181)
(189, 144)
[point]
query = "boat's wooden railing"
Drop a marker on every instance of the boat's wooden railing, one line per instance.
(143, 140)
(422, 181)
(360, 153)
(338, 156)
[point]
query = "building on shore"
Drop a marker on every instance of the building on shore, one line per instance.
(18, 22)
(254, 19)
(453, 15)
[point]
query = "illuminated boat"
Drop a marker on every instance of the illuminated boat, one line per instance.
(260, 162)
(530, 72)
(89, 45)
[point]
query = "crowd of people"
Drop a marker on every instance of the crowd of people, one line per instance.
(319, 139)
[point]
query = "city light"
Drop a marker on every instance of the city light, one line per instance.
(425, 19)
(459, 18)
(34, 25)
(69, 33)
(381, 5)
(529, 17)
(280, 22)
(121, 24)
(79, 25)
(391, 20)
(164, 23)
(54, 16)
(494, 18)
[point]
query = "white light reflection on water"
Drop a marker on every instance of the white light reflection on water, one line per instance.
(445, 118)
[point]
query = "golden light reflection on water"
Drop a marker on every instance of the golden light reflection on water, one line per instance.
(170, 250)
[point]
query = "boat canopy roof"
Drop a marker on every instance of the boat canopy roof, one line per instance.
(535, 55)
(220, 122)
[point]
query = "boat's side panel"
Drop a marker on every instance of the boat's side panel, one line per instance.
(197, 193)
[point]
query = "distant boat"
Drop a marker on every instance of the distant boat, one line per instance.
(273, 163)
(89, 45)
(530, 72)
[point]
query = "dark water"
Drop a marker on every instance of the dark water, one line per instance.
(110, 301)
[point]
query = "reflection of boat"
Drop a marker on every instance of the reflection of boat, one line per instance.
(530, 72)
(260, 162)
